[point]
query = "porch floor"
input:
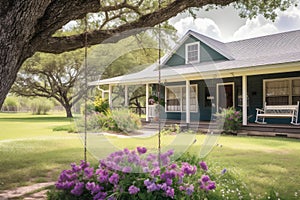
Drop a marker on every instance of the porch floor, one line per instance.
(281, 130)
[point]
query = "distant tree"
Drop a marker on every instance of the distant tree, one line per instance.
(52, 76)
(62, 77)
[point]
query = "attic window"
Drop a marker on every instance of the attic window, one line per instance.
(192, 53)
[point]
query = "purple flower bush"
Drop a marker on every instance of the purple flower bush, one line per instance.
(134, 174)
(229, 120)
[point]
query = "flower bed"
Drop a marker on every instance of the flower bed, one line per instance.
(134, 174)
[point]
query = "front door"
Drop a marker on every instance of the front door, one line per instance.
(225, 97)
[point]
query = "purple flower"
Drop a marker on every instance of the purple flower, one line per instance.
(169, 182)
(78, 189)
(84, 164)
(170, 192)
(126, 151)
(114, 179)
(151, 157)
(205, 178)
(153, 187)
(155, 172)
(147, 182)
(141, 150)
(173, 166)
(203, 165)
(181, 188)
(65, 185)
(188, 169)
(164, 187)
(90, 186)
(89, 172)
(126, 169)
(206, 184)
(133, 190)
(211, 185)
(102, 175)
(189, 190)
(75, 168)
(224, 171)
(100, 196)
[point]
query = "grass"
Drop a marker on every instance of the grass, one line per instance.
(30, 152)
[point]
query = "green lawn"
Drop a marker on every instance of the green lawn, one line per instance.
(30, 151)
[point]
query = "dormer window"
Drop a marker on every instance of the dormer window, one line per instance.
(192, 52)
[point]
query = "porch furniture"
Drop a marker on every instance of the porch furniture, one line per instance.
(153, 110)
(278, 111)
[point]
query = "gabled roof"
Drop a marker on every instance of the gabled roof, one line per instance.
(218, 46)
(250, 55)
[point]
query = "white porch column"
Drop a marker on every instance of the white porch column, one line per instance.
(110, 95)
(187, 96)
(126, 96)
(103, 94)
(147, 102)
(244, 95)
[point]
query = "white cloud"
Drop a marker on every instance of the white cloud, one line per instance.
(255, 28)
(204, 26)
(259, 26)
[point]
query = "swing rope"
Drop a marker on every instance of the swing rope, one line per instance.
(158, 90)
(85, 85)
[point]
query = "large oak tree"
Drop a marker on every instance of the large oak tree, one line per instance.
(28, 26)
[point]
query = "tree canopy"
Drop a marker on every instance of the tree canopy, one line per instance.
(28, 26)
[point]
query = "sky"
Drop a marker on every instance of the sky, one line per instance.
(226, 25)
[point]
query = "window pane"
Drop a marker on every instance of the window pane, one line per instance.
(296, 87)
(176, 98)
(192, 53)
(280, 100)
(277, 88)
(173, 99)
(277, 92)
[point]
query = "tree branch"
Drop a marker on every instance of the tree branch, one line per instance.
(68, 43)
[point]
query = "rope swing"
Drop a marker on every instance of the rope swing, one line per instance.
(85, 85)
(158, 90)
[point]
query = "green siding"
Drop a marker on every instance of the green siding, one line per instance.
(205, 113)
(255, 94)
(206, 54)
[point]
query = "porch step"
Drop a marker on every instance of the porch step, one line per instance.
(201, 126)
(275, 128)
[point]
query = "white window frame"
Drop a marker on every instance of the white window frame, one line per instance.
(233, 92)
(186, 52)
(290, 79)
(181, 99)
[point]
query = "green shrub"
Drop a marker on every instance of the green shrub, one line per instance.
(69, 128)
(121, 120)
(126, 120)
(90, 107)
(229, 120)
(41, 106)
(11, 103)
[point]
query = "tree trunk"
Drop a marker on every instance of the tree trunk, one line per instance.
(68, 109)
(17, 25)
